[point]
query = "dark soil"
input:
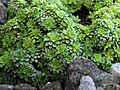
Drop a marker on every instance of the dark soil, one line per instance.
(83, 15)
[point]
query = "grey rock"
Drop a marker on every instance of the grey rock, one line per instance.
(56, 85)
(3, 13)
(82, 67)
(24, 86)
(106, 81)
(100, 88)
(87, 83)
(115, 71)
(111, 87)
(78, 68)
(5, 2)
(6, 87)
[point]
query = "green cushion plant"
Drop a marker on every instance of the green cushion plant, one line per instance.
(42, 37)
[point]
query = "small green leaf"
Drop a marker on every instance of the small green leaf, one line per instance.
(102, 32)
(28, 42)
(54, 36)
(108, 44)
(117, 50)
(55, 65)
(62, 49)
(49, 23)
(61, 14)
(5, 59)
(97, 57)
(23, 2)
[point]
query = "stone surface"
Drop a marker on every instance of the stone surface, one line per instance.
(3, 13)
(24, 86)
(56, 85)
(5, 2)
(104, 78)
(87, 83)
(100, 88)
(82, 67)
(106, 81)
(6, 87)
(115, 71)
(78, 68)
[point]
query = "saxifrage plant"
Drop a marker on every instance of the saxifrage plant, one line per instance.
(37, 42)
(42, 37)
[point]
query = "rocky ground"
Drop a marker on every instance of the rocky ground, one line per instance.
(82, 74)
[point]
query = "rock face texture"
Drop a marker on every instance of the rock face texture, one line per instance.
(5, 2)
(82, 67)
(78, 68)
(100, 88)
(106, 81)
(115, 71)
(87, 83)
(3, 12)
(24, 86)
(56, 85)
(6, 87)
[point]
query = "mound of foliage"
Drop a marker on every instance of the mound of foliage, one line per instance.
(42, 37)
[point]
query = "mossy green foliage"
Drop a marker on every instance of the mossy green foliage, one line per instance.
(42, 37)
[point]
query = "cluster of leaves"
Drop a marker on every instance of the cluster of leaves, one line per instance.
(42, 37)
(101, 39)
(92, 5)
(38, 41)
(106, 35)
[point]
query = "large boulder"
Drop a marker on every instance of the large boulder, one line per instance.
(3, 13)
(87, 83)
(78, 68)
(115, 71)
(55, 85)
(81, 67)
